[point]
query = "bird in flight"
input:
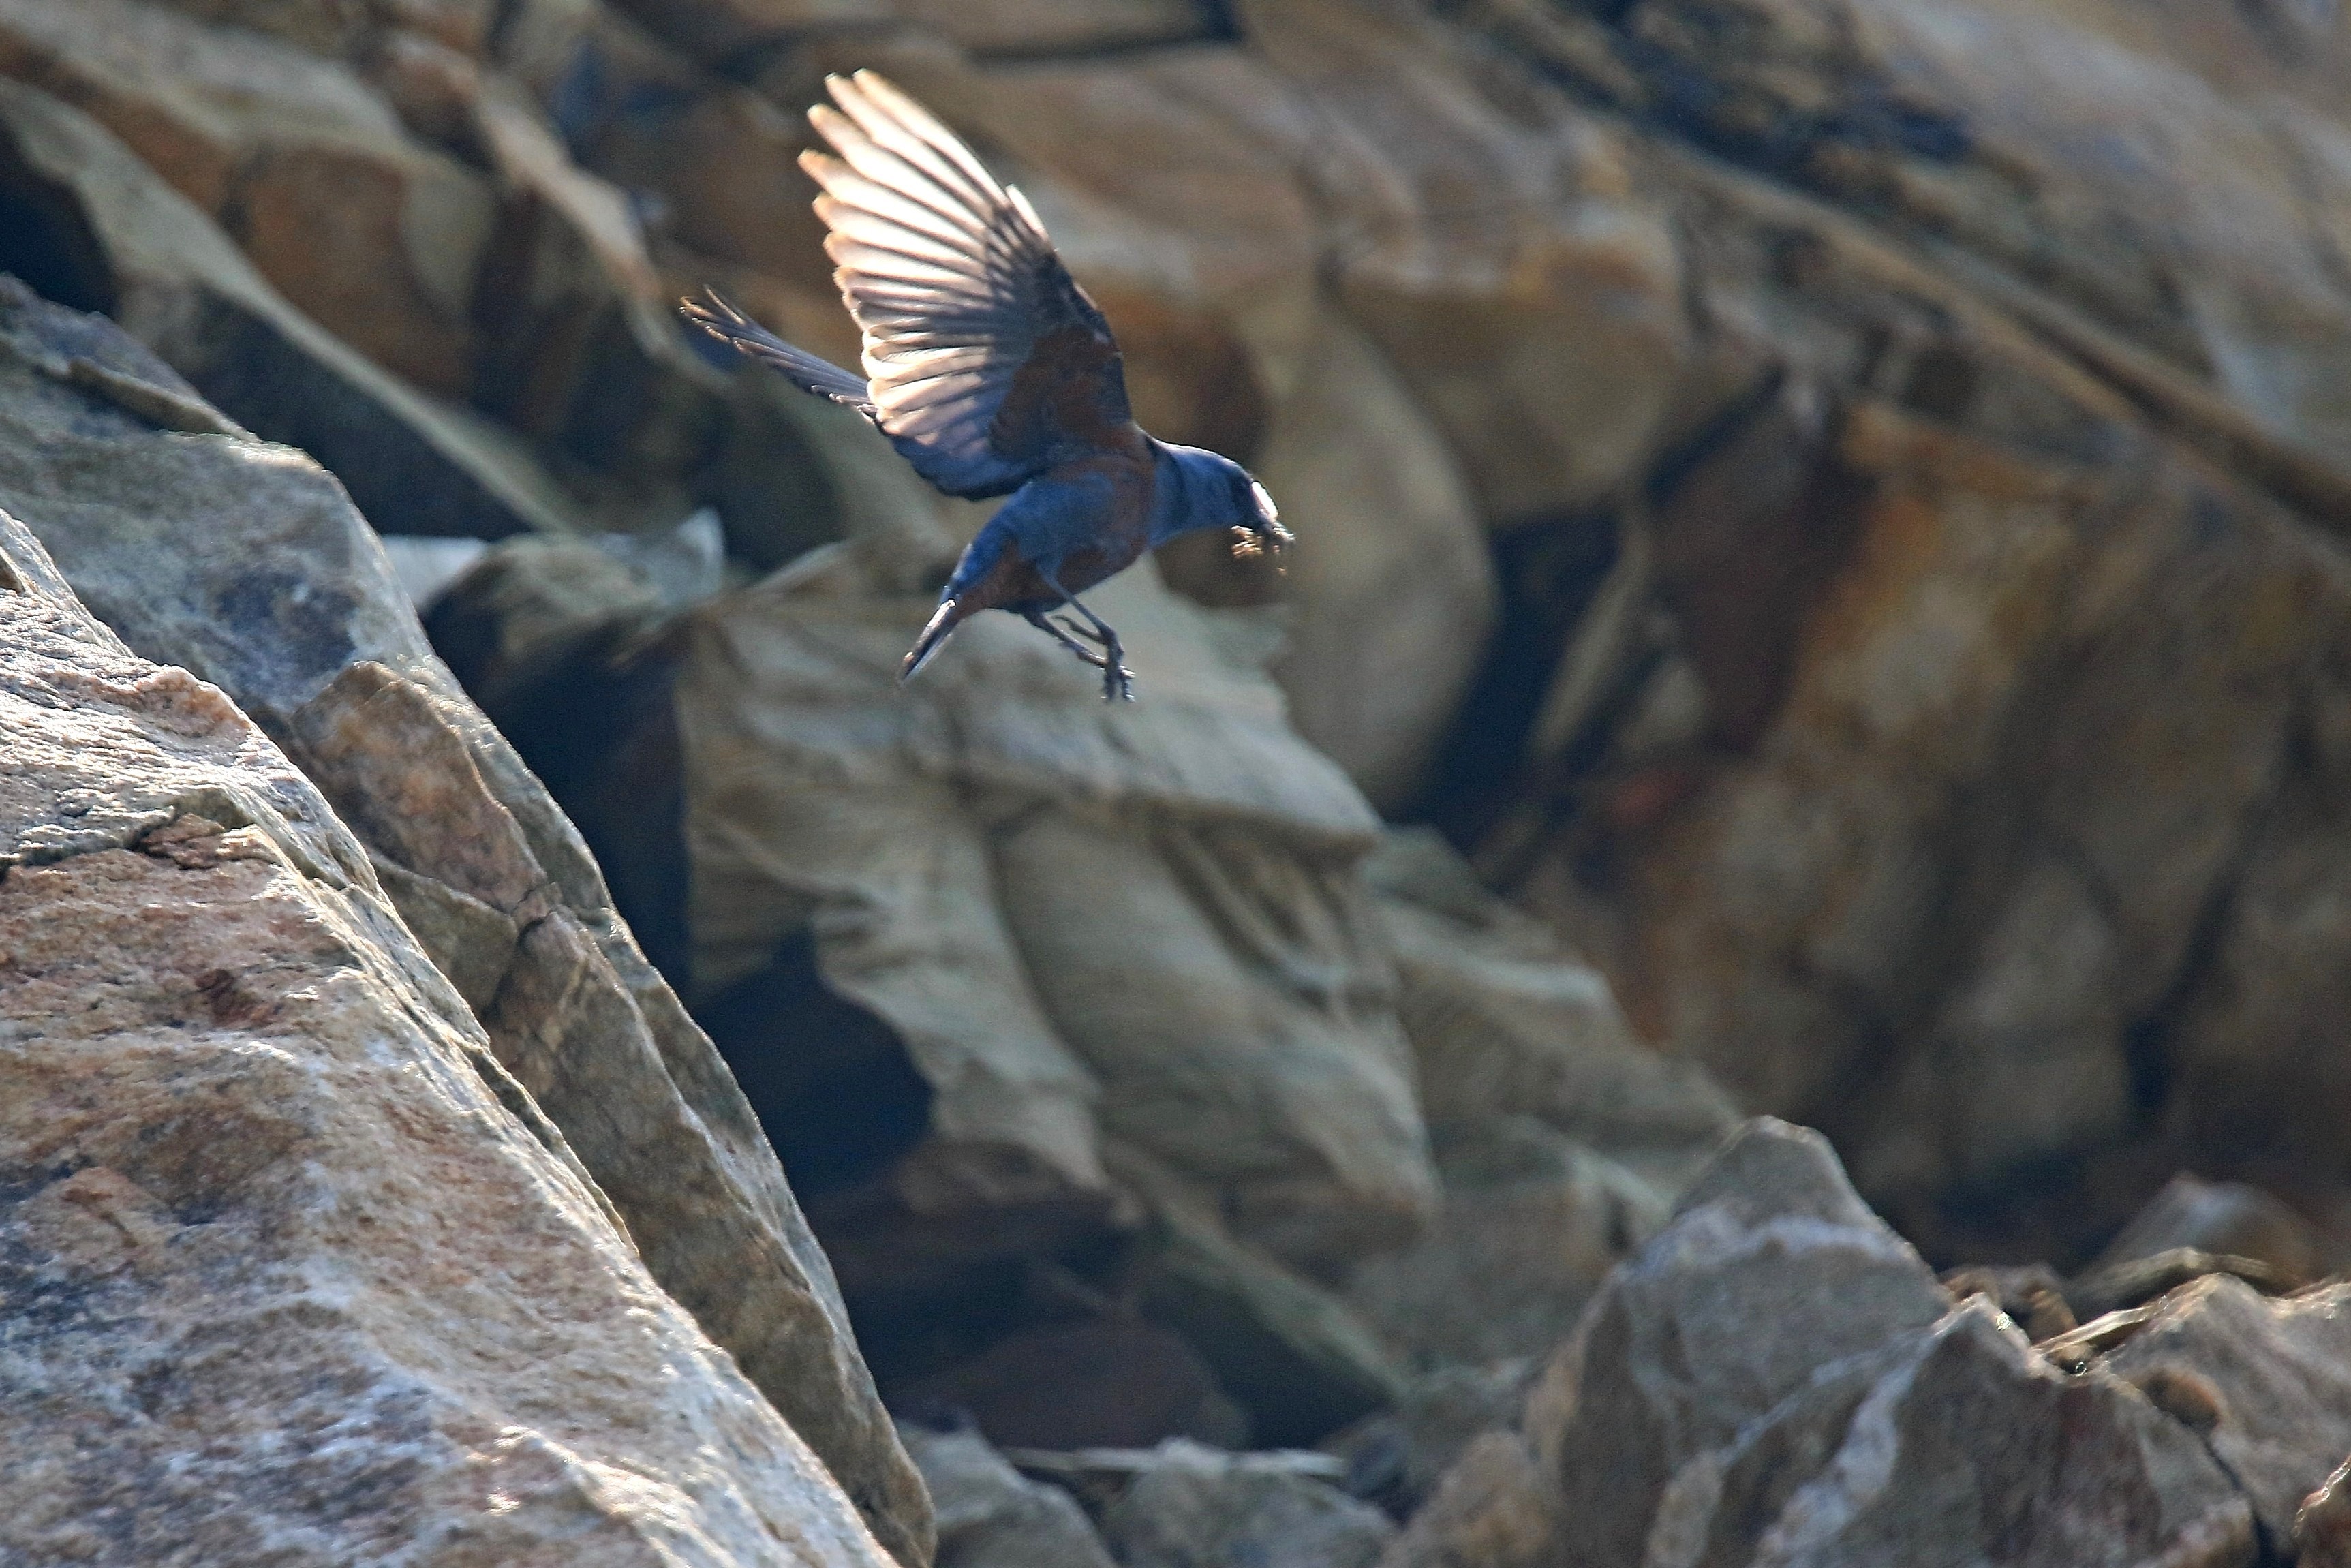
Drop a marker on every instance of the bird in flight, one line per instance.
(993, 373)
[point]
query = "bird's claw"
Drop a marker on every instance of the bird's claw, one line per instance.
(1118, 681)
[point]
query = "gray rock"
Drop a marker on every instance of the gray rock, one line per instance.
(1198, 1508)
(990, 1516)
(1533, 1221)
(1505, 1019)
(1398, 1457)
(2277, 1379)
(1955, 1445)
(2231, 1219)
(1772, 1270)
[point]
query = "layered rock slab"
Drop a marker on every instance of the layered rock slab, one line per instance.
(974, 857)
(295, 1270)
(103, 231)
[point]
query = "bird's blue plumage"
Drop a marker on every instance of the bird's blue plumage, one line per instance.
(993, 374)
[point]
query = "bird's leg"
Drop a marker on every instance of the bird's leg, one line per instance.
(1061, 634)
(1118, 681)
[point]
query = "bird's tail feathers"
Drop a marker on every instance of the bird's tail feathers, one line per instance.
(934, 638)
(805, 371)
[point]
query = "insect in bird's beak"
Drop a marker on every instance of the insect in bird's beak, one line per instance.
(1263, 533)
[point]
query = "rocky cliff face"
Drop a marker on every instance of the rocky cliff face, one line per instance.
(296, 1267)
(1821, 514)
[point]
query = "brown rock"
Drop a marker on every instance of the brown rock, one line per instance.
(1394, 589)
(1151, 186)
(331, 27)
(1827, 752)
(2146, 172)
(109, 233)
(368, 234)
(325, 650)
(1495, 1509)
(1499, 255)
(713, 30)
(582, 352)
(436, 89)
(2058, 953)
(713, 163)
(2322, 1525)
(317, 1238)
(1062, 26)
(2031, 1296)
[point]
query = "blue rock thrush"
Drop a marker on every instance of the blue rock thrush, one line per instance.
(993, 374)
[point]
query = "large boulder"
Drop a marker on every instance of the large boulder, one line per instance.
(1957, 1445)
(1772, 1270)
(163, 532)
(1560, 1140)
(1499, 250)
(295, 1267)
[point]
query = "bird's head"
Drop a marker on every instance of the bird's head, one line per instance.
(1218, 493)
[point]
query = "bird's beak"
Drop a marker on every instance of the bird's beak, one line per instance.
(1264, 535)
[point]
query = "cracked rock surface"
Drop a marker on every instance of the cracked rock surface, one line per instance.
(293, 1270)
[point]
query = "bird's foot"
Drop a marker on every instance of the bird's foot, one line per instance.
(1118, 681)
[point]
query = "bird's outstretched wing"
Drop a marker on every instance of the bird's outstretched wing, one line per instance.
(987, 364)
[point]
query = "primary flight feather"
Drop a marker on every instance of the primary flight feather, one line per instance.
(993, 374)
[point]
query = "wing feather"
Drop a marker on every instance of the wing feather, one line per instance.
(987, 362)
(984, 362)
